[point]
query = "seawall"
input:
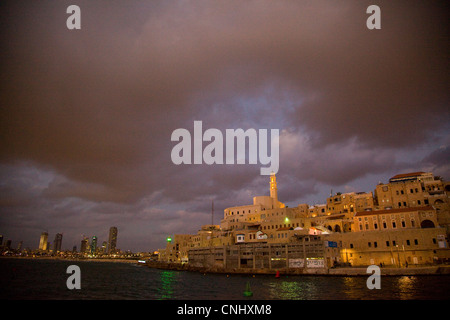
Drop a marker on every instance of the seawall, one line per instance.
(349, 271)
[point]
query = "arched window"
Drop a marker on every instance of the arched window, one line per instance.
(427, 224)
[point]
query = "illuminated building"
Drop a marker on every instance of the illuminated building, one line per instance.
(84, 245)
(356, 228)
(416, 189)
(112, 241)
(43, 241)
(94, 245)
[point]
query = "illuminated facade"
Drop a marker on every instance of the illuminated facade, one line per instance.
(43, 241)
(361, 230)
(416, 189)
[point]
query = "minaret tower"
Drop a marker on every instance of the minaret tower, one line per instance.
(273, 188)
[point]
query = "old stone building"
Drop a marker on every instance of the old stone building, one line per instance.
(404, 222)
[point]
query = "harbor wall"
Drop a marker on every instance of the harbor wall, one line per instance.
(349, 271)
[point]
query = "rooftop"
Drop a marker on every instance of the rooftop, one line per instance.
(388, 211)
(406, 176)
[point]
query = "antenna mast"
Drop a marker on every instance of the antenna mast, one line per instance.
(212, 213)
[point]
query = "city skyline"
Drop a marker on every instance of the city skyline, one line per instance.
(87, 115)
(43, 244)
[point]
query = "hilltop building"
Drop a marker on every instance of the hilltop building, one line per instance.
(402, 222)
(415, 189)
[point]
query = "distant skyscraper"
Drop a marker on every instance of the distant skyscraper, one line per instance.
(94, 244)
(112, 241)
(43, 241)
(57, 243)
(104, 247)
(84, 245)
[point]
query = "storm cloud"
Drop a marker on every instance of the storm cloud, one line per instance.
(87, 115)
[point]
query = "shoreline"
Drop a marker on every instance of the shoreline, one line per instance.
(74, 259)
(438, 270)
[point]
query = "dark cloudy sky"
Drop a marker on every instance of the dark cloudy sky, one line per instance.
(87, 115)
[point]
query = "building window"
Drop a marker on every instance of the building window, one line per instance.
(393, 243)
(413, 224)
(387, 243)
(403, 224)
(416, 242)
(394, 225)
(408, 243)
(375, 226)
(375, 244)
(351, 245)
(369, 244)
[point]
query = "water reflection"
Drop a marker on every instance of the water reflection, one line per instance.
(292, 289)
(167, 279)
(406, 286)
(112, 280)
(351, 288)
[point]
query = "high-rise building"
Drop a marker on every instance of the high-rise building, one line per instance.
(94, 244)
(104, 247)
(57, 243)
(84, 245)
(43, 241)
(112, 241)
